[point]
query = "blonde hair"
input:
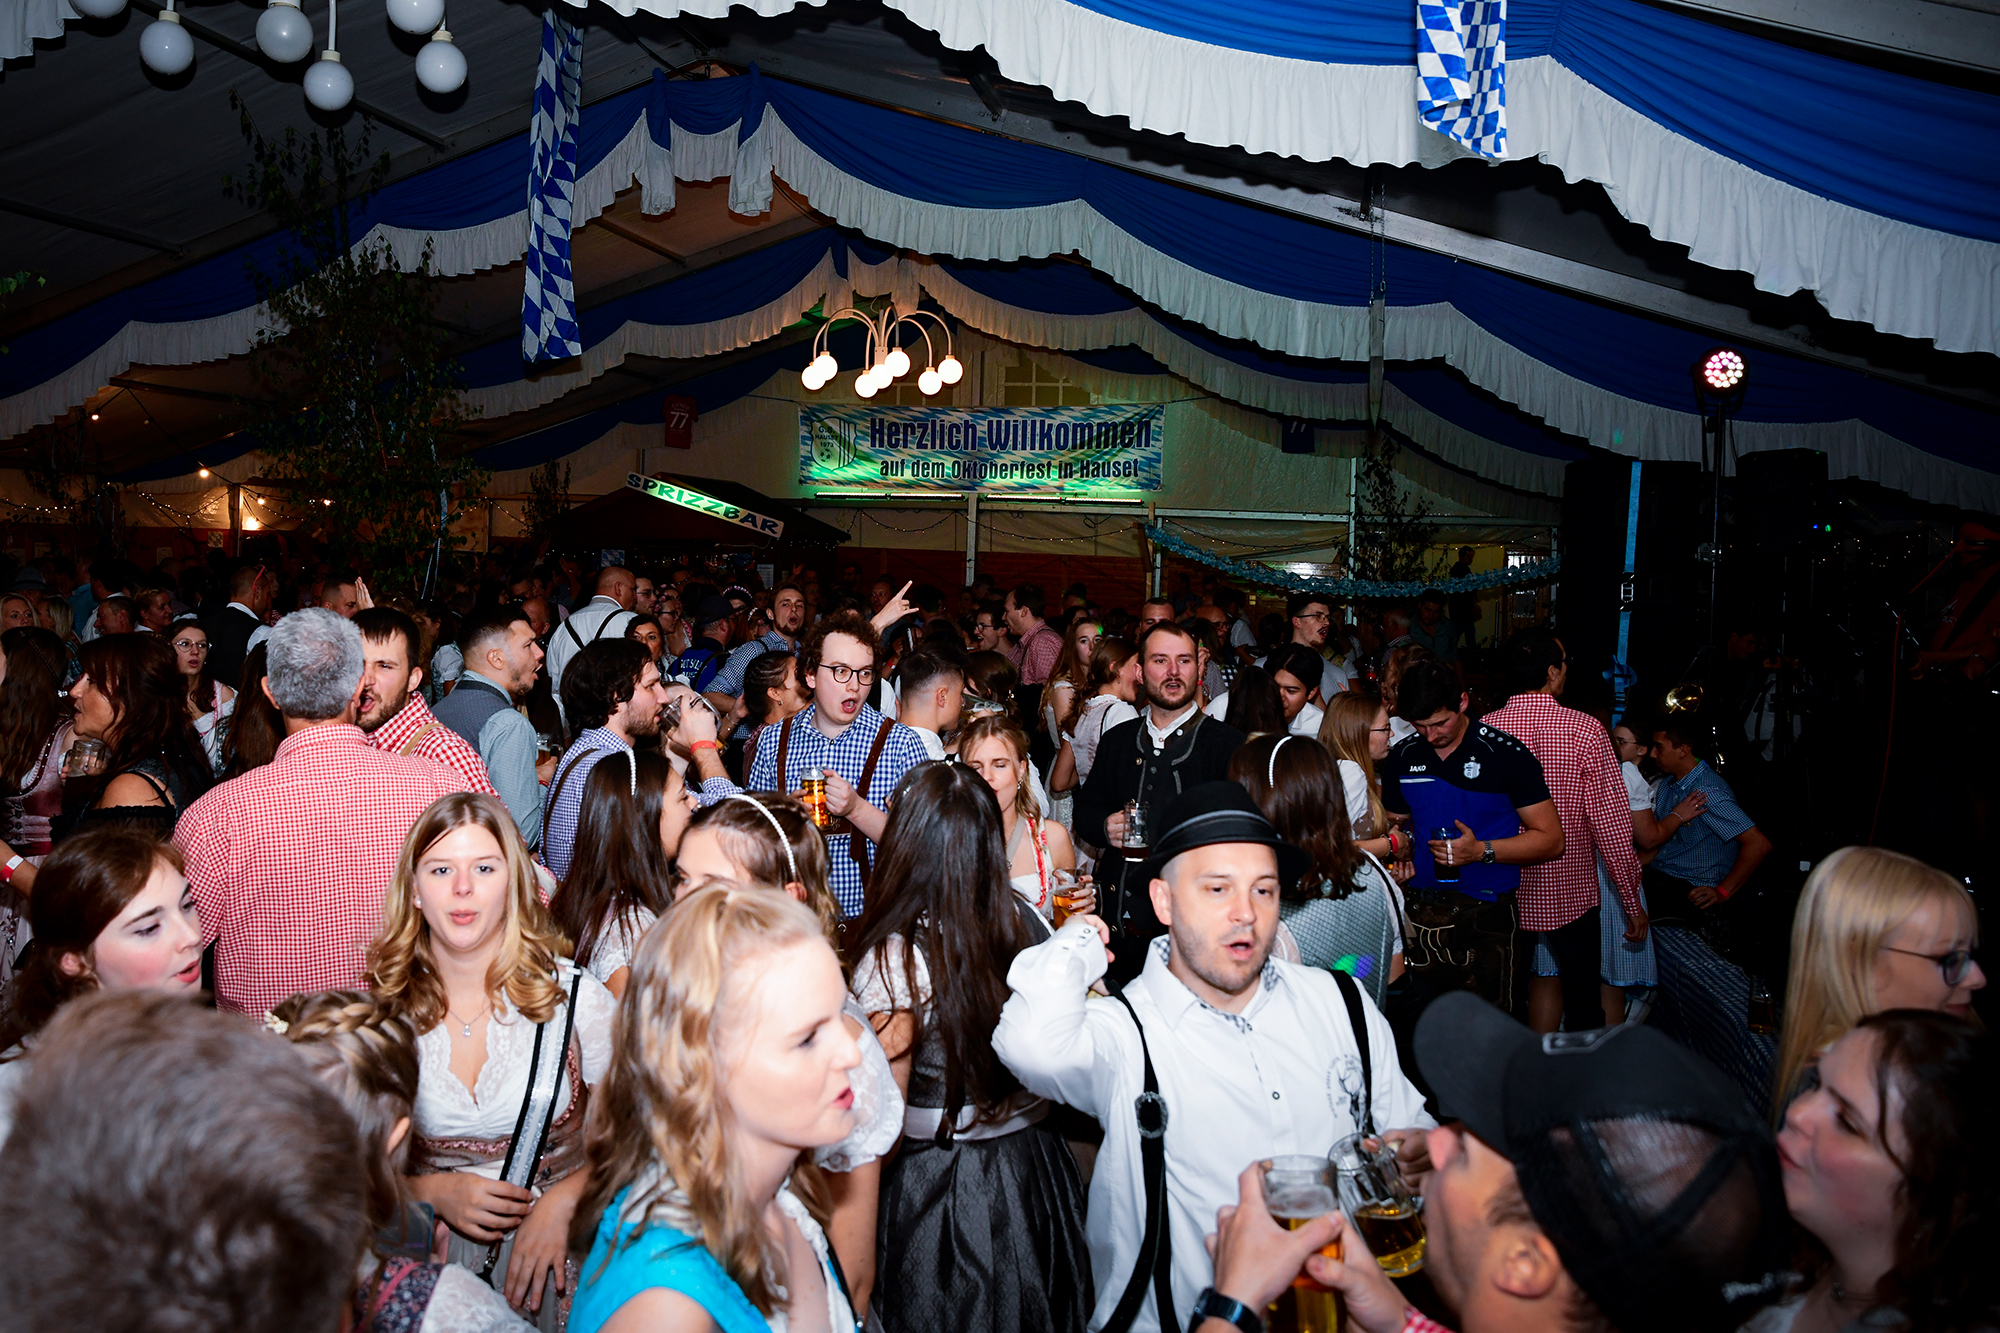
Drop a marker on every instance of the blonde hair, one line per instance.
(401, 969)
(662, 1104)
(1344, 730)
(751, 843)
(367, 1055)
(992, 726)
(1853, 901)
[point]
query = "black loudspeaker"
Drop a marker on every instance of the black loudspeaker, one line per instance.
(1667, 592)
(1781, 505)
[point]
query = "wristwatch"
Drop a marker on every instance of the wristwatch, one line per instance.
(1487, 857)
(1212, 1304)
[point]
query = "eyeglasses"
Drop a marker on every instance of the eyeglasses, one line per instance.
(1312, 615)
(1381, 731)
(1954, 965)
(191, 645)
(842, 673)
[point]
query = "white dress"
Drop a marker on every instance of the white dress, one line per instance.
(446, 1109)
(878, 1103)
(617, 942)
(1098, 715)
(213, 728)
(461, 1303)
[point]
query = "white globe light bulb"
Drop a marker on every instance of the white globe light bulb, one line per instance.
(930, 382)
(99, 9)
(810, 382)
(825, 366)
(328, 84)
(441, 65)
(950, 371)
(898, 362)
(417, 16)
(283, 33)
(165, 46)
(866, 386)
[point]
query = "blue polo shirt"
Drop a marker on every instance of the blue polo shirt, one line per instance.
(1484, 782)
(1702, 851)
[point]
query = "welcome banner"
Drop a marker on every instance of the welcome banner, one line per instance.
(1113, 447)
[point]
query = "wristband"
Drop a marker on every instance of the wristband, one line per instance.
(1212, 1304)
(7, 871)
(705, 745)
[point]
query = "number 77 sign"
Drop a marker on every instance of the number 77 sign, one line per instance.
(680, 415)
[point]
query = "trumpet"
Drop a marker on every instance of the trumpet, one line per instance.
(1685, 697)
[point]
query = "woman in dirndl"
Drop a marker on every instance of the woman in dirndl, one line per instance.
(471, 958)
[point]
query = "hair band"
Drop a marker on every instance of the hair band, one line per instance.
(632, 763)
(1271, 769)
(784, 838)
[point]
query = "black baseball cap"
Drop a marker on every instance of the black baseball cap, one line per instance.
(712, 609)
(1645, 1167)
(1215, 812)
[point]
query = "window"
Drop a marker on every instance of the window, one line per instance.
(1029, 384)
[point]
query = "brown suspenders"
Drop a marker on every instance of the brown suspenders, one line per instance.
(855, 850)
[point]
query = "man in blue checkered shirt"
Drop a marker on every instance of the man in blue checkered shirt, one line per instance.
(863, 754)
(612, 694)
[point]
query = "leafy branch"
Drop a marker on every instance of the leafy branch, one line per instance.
(360, 410)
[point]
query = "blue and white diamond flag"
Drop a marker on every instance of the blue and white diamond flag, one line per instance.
(1462, 72)
(548, 303)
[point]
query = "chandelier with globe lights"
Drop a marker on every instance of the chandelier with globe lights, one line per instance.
(285, 37)
(886, 361)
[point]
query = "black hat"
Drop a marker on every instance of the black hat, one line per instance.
(712, 609)
(1214, 812)
(1643, 1165)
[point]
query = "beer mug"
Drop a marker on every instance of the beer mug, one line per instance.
(1136, 841)
(85, 757)
(1379, 1201)
(812, 793)
(1296, 1190)
(1761, 1011)
(1064, 895)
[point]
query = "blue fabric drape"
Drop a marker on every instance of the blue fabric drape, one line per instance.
(548, 297)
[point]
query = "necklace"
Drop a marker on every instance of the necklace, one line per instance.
(465, 1025)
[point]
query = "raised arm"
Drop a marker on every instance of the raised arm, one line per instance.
(1056, 1040)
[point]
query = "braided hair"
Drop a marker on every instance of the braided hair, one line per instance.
(367, 1054)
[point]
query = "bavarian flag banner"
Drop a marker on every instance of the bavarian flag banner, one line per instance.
(1113, 447)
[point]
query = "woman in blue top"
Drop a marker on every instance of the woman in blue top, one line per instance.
(730, 1065)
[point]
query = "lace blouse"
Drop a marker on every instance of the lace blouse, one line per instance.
(617, 942)
(447, 1110)
(1098, 715)
(878, 1103)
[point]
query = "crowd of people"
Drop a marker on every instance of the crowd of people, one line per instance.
(632, 949)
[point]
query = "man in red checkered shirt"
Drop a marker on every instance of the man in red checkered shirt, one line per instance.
(1562, 898)
(392, 714)
(289, 862)
(1037, 645)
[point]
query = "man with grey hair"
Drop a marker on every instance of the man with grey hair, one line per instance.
(289, 862)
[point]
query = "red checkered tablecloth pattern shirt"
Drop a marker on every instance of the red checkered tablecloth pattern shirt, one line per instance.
(1036, 654)
(289, 863)
(1582, 773)
(440, 744)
